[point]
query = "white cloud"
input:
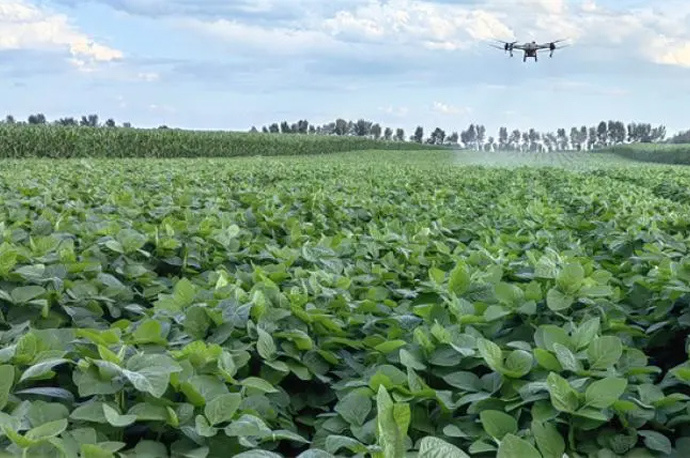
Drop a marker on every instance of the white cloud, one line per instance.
(395, 111)
(443, 108)
(26, 26)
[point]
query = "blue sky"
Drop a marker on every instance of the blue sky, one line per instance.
(219, 64)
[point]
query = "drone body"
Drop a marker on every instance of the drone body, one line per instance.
(530, 49)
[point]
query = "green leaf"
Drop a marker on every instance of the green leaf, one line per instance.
(566, 358)
(558, 301)
(24, 294)
(151, 372)
(222, 408)
(115, 419)
(586, 332)
(546, 360)
(563, 396)
(492, 354)
(355, 407)
(656, 441)
(265, 345)
(47, 430)
(6, 383)
(388, 430)
(433, 447)
(604, 352)
(259, 384)
(497, 424)
(570, 278)
(603, 393)
(459, 280)
(549, 440)
(514, 447)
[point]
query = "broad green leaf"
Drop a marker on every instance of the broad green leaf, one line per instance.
(514, 447)
(603, 393)
(459, 279)
(549, 441)
(656, 441)
(117, 420)
(6, 383)
(563, 396)
(604, 352)
(355, 407)
(222, 408)
(433, 447)
(497, 424)
(558, 301)
(492, 354)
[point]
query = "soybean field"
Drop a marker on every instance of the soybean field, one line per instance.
(375, 304)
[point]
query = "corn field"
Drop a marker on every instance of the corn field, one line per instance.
(69, 142)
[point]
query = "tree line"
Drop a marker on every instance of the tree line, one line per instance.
(601, 135)
(475, 136)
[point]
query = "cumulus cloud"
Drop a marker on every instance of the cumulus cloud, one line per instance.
(446, 109)
(26, 26)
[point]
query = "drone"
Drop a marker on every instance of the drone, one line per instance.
(530, 49)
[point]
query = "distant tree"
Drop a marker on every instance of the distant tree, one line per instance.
(481, 136)
(285, 127)
(362, 128)
(515, 139)
(658, 133)
(453, 138)
(110, 123)
(681, 137)
(552, 142)
(302, 126)
(582, 137)
(503, 138)
(533, 138)
(574, 139)
(312, 129)
(418, 134)
(253, 130)
(67, 122)
(376, 131)
(163, 127)
(264, 129)
(561, 140)
(127, 125)
(400, 134)
(591, 137)
(437, 137)
(490, 143)
(388, 134)
(472, 135)
(340, 127)
(36, 119)
(274, 128)
(602, 134)
(9, 119)
(89, 120)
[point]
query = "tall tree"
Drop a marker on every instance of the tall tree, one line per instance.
(453, 138)
(388, 134)
(503, 138)
(418, 134)
(562, 140)
(376, 131)
(602, 134)
(340, 127)
(481, 136)
(400, 134)
(574, 139)
(515, 139)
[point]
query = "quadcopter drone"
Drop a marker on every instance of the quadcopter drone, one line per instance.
(529, 49)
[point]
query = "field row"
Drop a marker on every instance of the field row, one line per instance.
(318, 307)
(79, 142)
